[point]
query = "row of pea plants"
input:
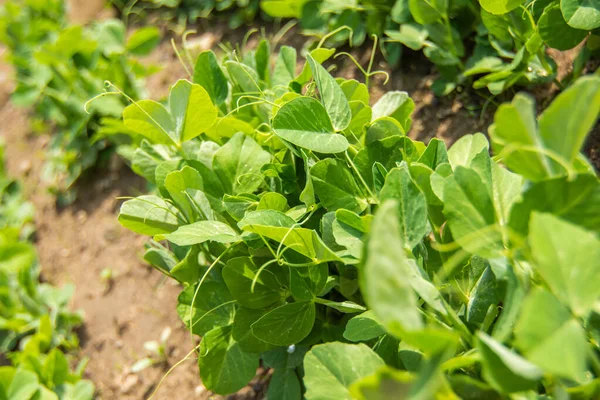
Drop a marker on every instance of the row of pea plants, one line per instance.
(37, 330)
(313, 237)
(58, 68)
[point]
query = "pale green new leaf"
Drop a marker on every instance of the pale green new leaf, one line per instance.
(550, 337)
(581, 14)
(192, 110)
(151, 120)
(500, 6)
(200, 232)
(332, 96)
(566, 256)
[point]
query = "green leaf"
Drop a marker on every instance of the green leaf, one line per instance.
(504, 369)
(177, 183)
(242, 331)
(224, 367)
(209, 75)
(500, 6)
(239, 275)
(143, 41)
(386, 290)
(200, 232)
(435, 154)
(276, 226)
(331, 368)
(566, 257)
(575, 111)
(465, 149)
(363, 327)
(285, 67)
(412, 205)
(412, 36)
(581, 14)
(192, 110)
(151, 120)
(471, 215)
(550, 337)
(332, 96)
(555, 31)
(238, 164)
(283, 8)
(336, 187)
(287, 324)
(149, 215)
(428, 11)
(575, 200)
(209, 310)
(389, 152)
(284, 385)
(304, 122)
(397, 105)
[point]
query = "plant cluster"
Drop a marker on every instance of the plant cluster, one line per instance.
(35, 323)
(59, 67)
(312, 235)
(495, 46)
(184, 12)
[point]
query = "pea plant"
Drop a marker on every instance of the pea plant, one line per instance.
(58, 68)
(36, 326)
(313, 237)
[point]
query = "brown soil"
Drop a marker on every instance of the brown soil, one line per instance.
(77, 243)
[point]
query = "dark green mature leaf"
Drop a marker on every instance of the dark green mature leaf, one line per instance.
(336, 187)
(239, 274)
(149, 215)
(238, 164)
(242, 331)
(208, 311)
(566, 257)
(305, 123)
(581, 14)
(550, 337)
(435, 154)
(287, 324)
(332, 96)
(555, 31)
(209, 75)
(224, 367)
(504, 369)
(285, 385)
(428, 11)
(412, 206)
(389, 152)
(331, 368)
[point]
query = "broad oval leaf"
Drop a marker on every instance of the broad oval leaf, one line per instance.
(149, 215)
(331, 368)
(200, 232)
(500, 6)
(192, 110)
(239, 275)
(336, 187)
(150, 120)
(304, 122)
(209, 75)
(581, 14)
(287, 324)
(555, 31)
(224, 367)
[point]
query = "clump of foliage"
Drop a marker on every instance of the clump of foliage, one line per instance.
(312, 235)
(495, 46)
(35, 323)
(15, 212)
(183, 12)
(60, 67)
